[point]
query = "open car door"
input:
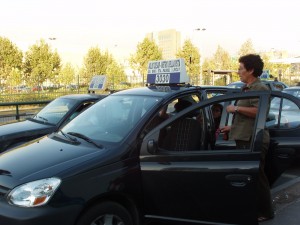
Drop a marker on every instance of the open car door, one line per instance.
(283, 123)
(188, 178)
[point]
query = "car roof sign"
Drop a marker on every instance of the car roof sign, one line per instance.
(97, 83)
(166, 72)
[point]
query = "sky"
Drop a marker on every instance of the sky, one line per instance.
(119, 25)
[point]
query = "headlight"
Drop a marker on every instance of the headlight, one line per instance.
(34, 193)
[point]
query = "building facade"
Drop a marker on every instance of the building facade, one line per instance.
(169, 41)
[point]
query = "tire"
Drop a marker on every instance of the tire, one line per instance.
(108, 213)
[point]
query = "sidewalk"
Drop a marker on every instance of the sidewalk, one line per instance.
(286, 199)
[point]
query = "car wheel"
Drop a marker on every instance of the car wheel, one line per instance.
(108, 213)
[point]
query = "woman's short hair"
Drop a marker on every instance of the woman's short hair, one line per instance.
(252, 62)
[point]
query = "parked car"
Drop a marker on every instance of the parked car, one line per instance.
(51, 118)
(272, 84)
(295, 91)
(121, 162)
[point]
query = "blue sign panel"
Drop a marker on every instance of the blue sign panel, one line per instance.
(265, 75)
(167, 72)
(97, 82)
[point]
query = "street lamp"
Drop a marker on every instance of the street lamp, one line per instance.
(201, 56)
(200, 29)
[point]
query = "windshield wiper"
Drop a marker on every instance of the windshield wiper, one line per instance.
(82, 136)
(43, 118)
(69, 137)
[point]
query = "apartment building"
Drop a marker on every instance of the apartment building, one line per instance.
(169, 41)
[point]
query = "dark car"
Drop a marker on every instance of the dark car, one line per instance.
(122, 162)
(295, 91)
(53, 116)
(271, 84)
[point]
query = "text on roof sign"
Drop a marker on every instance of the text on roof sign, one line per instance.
(167, 72)
(97, 82)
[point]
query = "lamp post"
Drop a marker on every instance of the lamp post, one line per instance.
(51, 39)
(201, 55)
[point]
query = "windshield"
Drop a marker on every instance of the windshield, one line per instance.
(111, 119)
(55, 110)
(295, 92)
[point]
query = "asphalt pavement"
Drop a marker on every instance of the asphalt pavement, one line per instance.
(286, 200)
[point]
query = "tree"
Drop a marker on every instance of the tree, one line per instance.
(116, 74)
(41, 63)
(221, 60)
(95, 62)
(191, 56)
(15, 77)
(246, 48)
(207, 66)
(10, 58)
(98, 63)
(67, 74)
(147, 50)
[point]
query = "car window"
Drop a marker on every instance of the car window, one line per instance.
(111, 119)
(283, 114)
(278, 86)
(268, 85)
(294, 92)
(188, 98)
(199, 130)
(80, 109)
(170, 109)
(214, 93)
(55, 110)
(183, 134)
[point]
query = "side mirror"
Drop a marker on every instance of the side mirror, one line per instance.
(152, 146)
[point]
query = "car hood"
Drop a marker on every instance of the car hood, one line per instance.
(43, 158)
(23, 129)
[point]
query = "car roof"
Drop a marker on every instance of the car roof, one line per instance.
(164, 91)
(265, 81)
(292, 88)
(240, 83)
(83, 97)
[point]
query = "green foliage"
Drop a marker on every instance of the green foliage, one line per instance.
(10, 58)
(67, 74)
(246, 48)
(191, 56)
(41, 63)
(277, 69)
(207, 66)
(98, 63)
(14, 78)
(221, 60)
(116, 76)
(147, 50)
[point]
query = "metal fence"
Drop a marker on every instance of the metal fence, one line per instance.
(17, 106)
(12, 111)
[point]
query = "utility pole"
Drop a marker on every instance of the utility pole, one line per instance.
(201, 55)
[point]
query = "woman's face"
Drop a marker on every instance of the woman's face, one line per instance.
(243, 73)
(216, 112)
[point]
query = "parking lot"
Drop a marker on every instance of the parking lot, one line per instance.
(286, 199)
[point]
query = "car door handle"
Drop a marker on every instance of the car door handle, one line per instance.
(239, 180)
(285, 153)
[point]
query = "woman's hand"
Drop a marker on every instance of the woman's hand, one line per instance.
(225, 129)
